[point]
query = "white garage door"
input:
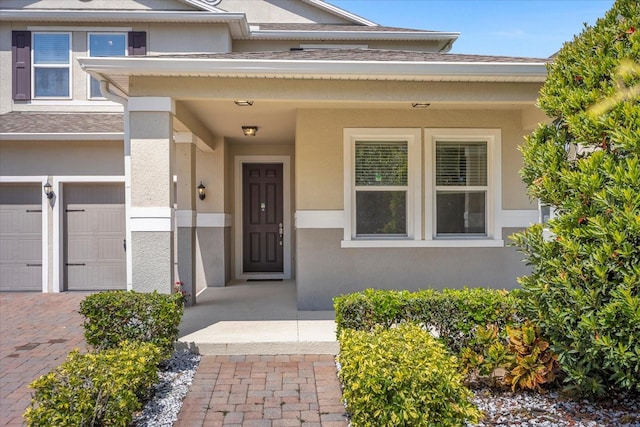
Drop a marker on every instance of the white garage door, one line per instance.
(20, 237)
(94, 237)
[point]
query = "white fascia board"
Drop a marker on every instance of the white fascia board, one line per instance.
(339, 70)
(237, 21)
(339, 12)
(353, 35)
(96, 136)
(203, 4)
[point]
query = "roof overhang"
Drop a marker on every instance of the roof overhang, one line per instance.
(339, 12)
(237, 21)
(369, 34)
(318, 69)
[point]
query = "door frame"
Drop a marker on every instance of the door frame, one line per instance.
(239, 161)
(58, 228)
(41, 180)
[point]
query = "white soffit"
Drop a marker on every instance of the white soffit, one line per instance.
(339, 12)
(338, 70)
(370, 34)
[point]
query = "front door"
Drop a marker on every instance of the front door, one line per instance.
(262, 198)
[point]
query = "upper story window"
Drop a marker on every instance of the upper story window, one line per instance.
(105, 44)
(51, 65)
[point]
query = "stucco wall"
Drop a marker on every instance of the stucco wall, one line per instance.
(280, 11)
(326, 270)
(319, 148)
(284, 45)
(24, 158)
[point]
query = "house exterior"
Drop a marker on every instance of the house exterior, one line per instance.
(208, 141)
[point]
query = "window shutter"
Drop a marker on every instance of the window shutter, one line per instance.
(137, 43)
(21, 59)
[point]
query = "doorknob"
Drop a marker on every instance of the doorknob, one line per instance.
(280, 232)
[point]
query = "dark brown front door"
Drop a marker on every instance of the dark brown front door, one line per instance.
(262, 218)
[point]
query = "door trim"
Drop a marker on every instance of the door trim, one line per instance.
(58, 232)
(41, 180)
(286, 210)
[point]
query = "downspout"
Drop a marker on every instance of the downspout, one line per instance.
(105, 89)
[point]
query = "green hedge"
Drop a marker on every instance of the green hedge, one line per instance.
(401, 377)
(116, 316)
(453, 314)
(95, 389)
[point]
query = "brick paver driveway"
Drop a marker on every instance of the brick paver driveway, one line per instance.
(37, 331)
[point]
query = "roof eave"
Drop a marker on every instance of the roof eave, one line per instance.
(353, 35)
(337, 70)
(339, 12)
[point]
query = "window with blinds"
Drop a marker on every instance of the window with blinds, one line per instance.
(51, 65)
(461, 188)
(381, 185)
(105, 44)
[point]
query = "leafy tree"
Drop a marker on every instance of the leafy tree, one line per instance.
(584, 290)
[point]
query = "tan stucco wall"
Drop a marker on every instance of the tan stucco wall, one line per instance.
(319, 148)
(187, 38)
(5, 67)
(32, 158)
(284, 45)
(210, 170)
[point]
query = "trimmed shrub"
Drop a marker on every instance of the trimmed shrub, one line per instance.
(116, 316)
(452, 314)
(95, 389)
(401, 377)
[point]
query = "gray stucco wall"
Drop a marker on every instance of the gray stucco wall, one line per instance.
(326, 270)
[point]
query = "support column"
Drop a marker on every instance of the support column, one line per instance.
(151, 216)
(186, 213)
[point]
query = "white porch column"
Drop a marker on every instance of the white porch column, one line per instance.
(186, 213)
(151, 215)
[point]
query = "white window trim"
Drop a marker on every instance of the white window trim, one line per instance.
(414, 191)
(126, 53)
(34, 66)
(493, 137)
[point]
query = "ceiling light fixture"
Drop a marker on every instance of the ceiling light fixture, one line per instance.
(249, 130)
(243, 103)
(420, 105)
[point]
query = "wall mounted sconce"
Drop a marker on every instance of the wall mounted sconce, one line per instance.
(201, 188)
(48, 190)
(249, 130)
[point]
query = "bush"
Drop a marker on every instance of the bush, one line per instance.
(95, 389)
(584, 289)
(401, 377)
(452, 314)
(116, 316)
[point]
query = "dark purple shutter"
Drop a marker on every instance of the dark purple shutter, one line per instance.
(137, 43)
(21, 57)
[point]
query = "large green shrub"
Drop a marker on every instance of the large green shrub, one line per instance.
(453, 314)
(401, 377)
(584, 290)
(95, 389)
(116, 316)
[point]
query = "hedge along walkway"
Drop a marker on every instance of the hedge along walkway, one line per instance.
(37, 331)
(264, 391)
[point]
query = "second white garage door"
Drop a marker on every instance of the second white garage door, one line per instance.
(94, 237)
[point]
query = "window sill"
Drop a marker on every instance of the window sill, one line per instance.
(459, 243)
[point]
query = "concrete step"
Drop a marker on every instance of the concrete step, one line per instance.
(268, 337)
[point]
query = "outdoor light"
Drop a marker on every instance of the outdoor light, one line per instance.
(243, 103)
(249, 130)
(201, 188)
(48, 190)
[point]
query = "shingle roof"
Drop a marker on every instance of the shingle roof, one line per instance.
(23, 122)
(364, 55)
(333, 27)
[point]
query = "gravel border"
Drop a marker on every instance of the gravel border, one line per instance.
(174, 379)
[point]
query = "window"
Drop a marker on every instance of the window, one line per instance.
(51, 65)
(105, 44)
(461, 193)
(382, 167)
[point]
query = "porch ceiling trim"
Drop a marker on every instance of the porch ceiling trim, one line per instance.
(338, 70)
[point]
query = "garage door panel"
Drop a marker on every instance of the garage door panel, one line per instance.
(95, 232)
(20, 237)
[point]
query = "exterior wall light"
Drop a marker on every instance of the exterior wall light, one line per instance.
(48, 190)
(249, 130)
(201, 188)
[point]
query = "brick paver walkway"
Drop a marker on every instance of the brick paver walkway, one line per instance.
(264, 391)
(37, 331)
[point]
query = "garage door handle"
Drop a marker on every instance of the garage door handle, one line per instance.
(34, 265)
(71, 264)
(34, 210)
(74, 210)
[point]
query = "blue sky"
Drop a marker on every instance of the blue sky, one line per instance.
(531, 28)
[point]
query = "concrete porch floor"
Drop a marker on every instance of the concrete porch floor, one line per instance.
(249, 318)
